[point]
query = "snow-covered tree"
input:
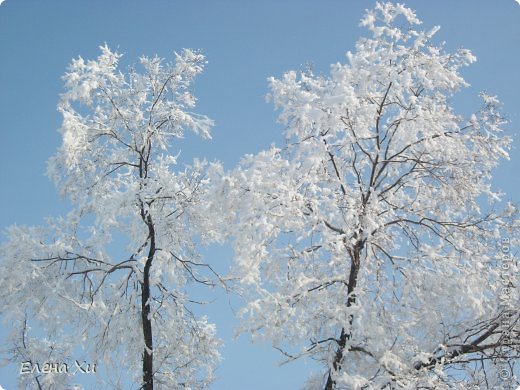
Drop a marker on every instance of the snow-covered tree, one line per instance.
(112, 277)
(366, 242)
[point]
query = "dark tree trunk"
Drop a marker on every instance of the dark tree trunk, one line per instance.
(145, 313)
(355, 256)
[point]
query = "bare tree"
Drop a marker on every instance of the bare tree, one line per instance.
(112, 276)
(364, 241)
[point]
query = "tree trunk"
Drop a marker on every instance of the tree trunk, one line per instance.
(355, 256)
(145, 313)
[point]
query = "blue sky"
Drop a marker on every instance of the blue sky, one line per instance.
(245, 42)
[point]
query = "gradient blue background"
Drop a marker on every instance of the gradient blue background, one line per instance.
(245, 42)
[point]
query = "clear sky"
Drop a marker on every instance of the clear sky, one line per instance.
(245, 42)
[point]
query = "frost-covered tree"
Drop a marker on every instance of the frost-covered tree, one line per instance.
(366, 242)
(112, 277)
